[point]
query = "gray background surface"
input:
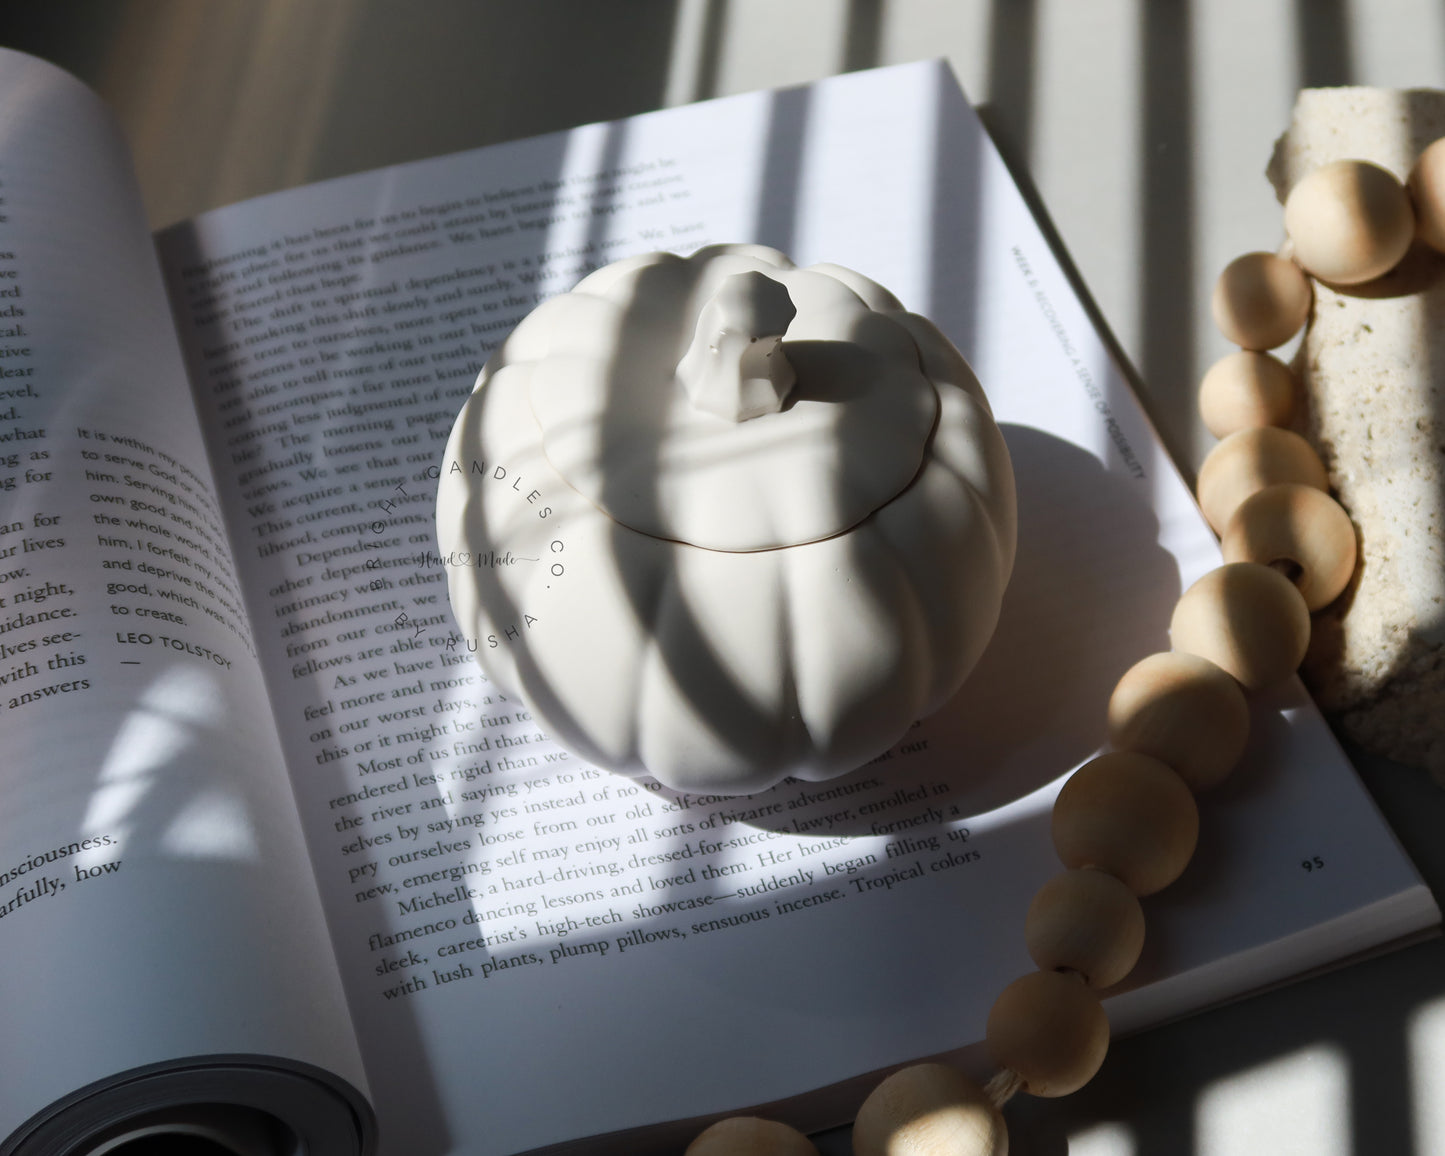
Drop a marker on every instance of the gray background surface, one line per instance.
(1142, 126)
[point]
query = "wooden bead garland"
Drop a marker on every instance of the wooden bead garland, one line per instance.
(1247, 461)
(1301, 528)
(929, 1110)
(1350, 222)
(1249, 620)
(750, 1134)
(1085, 921)
(1049, 1027)
(1244, 390)
(1261, 300)
(1129, 815)
(1125, 823)
(1183, 710)
(1426, 186)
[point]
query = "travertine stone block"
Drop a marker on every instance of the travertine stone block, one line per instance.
(1373, 367)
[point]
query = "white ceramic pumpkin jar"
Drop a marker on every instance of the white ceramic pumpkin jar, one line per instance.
(722, 520)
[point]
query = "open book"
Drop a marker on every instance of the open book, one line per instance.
(270, 845)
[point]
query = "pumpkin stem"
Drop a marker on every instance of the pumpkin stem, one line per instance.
(735, 366)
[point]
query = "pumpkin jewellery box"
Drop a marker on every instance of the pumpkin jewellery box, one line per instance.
(722, 520)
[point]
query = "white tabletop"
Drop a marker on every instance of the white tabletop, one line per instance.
(1143, 126)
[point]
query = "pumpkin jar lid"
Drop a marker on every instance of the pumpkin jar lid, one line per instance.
(730, 400)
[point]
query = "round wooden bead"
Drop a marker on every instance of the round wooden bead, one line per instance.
(1427, 190)
(1246, 462)
(1129, 815)
(929, 1110)
(1260, 300)
(1184, 711)
(1350, 221)
(750, 1136)
(1050, 1029)
(1300, 531)
(1247, 619)
(1245, 390)
(1088, 922)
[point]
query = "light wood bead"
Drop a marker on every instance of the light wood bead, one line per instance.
(1247, 461)
(1184, 711)
(1301, 527)
(1246, 390)
(1129, 815)
(1261, 300)
(929, 1110)
(1350, 221)
(1050, 1029)
(750, 1136)
(1427, 190)
(1088, 922)
(1247, 619)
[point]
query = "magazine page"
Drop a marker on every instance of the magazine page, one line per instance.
(536, 950)
(156, 902)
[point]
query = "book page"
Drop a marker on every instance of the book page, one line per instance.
(152, 876)
(536, 950)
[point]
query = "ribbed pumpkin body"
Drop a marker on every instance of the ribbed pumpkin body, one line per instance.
(721, 602)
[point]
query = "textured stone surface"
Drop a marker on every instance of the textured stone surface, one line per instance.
(1373, 366)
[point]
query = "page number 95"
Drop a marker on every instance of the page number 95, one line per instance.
(1313, 864)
